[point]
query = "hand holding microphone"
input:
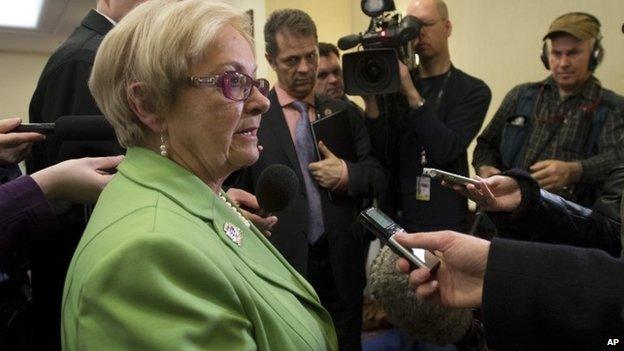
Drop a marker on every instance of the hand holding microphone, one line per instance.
(276, 189)
(245, 200)
(15, 146)
(418, 318)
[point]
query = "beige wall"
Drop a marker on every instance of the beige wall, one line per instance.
(18, 77)
(499, 40)
(259, 14)
(332, 18)
(495, 40)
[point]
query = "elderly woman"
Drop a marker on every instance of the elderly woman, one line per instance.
(167, 262)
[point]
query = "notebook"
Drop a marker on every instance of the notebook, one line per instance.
(335, 132)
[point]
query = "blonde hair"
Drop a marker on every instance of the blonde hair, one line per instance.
(156, 44)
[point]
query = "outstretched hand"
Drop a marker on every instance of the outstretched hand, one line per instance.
(458, 281)
(497, 193)
(78, 180)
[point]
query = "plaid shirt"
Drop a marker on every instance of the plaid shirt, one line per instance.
(560, 130)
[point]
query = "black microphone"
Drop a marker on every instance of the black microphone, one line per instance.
(276, 189)
(91, 128)
(349, 41)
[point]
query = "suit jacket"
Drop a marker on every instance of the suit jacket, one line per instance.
(155, 270)
(539, 296)
(345, 235)
(62, 90)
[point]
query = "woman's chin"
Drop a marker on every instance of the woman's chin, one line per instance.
(246, 158)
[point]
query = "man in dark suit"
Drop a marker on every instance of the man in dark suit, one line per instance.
(62, 90)
(319, 236)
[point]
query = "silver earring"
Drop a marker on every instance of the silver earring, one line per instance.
(163, 147)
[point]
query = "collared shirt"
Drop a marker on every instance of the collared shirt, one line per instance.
(560, 130)
(291, 114)
(108, 18)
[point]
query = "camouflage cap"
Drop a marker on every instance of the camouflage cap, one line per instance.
(577, 24)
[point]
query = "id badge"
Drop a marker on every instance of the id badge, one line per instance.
(423, 188)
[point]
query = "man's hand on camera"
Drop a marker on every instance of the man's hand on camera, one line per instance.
(408, 89)
(371, 108)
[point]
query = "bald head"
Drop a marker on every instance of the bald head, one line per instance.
(437, 7)
(432, 42)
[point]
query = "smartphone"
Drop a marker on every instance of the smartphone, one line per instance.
(385, 228)
(41, 128)
(449, 177)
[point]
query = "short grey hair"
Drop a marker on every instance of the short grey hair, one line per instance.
(156, 44)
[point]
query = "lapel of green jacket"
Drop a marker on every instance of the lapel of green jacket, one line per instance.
(189, 192)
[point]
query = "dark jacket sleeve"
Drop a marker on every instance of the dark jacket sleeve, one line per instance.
(64, 91)
(446, 141)
(608, 150)
(549, 297)
(487, 151)
(550, 218)
(366, 177)
(25, 214)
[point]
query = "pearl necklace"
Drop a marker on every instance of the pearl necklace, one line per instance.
(236, 210)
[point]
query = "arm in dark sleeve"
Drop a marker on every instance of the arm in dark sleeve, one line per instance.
(546, 297)
(241, 179)
(63, 92)
(487, 151)
(596, 168)
(550, 218)
(446, 141)
(25, 214)
(378, 132)
(366, 177)
(67, 92)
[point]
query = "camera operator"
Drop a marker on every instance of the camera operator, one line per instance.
(430, 123)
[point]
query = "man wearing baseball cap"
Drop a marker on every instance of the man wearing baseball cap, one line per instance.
(566, 130)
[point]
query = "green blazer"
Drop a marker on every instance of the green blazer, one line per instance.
(155, 270)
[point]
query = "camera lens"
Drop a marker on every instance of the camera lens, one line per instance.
(373, 71)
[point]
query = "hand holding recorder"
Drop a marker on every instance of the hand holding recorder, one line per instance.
(458, 281)
(386, 229)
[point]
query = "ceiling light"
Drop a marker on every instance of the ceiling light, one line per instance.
(20, 14)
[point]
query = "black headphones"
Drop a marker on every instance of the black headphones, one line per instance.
(597, 52)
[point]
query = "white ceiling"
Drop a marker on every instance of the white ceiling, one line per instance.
(58, 20)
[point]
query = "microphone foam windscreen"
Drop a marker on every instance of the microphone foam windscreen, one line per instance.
(277, 187)
(88, 127)
(420, 319)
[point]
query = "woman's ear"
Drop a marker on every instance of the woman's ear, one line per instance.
(143, 108)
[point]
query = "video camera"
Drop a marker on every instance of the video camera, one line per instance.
(375, 70)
